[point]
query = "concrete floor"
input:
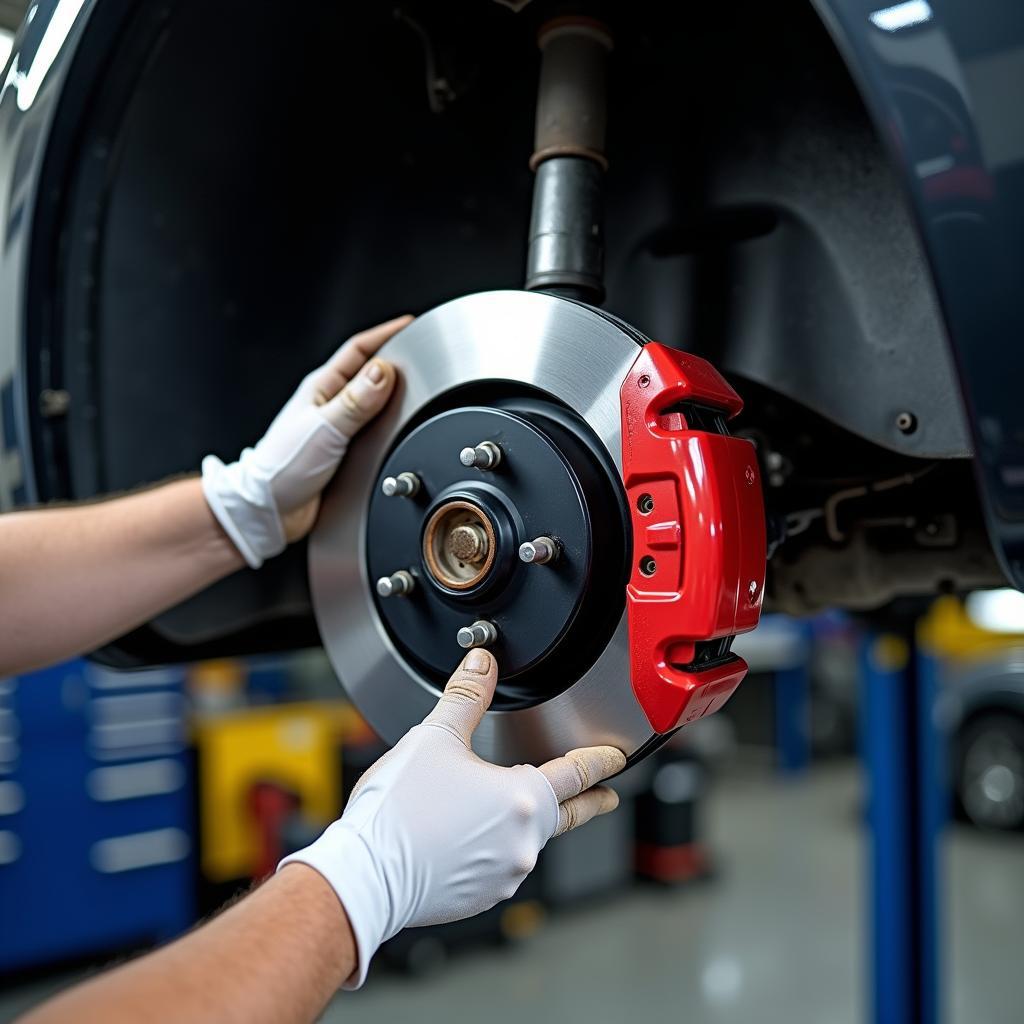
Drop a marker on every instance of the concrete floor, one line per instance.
(777, 937)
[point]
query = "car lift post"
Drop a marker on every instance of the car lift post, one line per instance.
(903, 751)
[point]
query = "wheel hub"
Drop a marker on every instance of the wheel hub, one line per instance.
(459, 537)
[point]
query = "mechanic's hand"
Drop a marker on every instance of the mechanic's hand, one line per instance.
(270, 496)
(432, 833)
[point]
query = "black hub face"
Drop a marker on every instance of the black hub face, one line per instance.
(459, 537)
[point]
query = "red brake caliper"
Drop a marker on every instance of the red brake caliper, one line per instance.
(699, 543)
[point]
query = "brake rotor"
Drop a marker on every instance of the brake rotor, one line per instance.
(505, 430)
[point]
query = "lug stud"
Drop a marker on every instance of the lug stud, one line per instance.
(486, 455)
(398, 584)
(405, 485)
(480, 634)
(538, 551)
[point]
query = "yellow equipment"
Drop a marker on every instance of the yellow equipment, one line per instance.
(295, 746)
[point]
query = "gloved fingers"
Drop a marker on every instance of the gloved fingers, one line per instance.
(578, 770)
(580, 809)
(330, 378)
(361, 399)
(467, 695)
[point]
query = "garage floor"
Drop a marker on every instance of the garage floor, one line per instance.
(777, 937)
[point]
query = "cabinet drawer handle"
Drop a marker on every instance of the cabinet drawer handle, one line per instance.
(128, 781)
(10, 848)
(12, 797)
(139, 850)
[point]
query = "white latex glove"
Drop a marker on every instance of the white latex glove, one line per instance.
(432, 833)
(270, 496)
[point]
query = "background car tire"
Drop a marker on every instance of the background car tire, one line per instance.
(990, 771)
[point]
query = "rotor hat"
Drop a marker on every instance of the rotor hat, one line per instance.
(463, 532)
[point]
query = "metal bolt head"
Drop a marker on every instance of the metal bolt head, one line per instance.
(398, 584)
(906, 423)
(538, 551)
(480, 634)
(485, 455)
(54, 402)
(405, 485)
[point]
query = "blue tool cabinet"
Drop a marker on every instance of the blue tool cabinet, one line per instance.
(95, 812)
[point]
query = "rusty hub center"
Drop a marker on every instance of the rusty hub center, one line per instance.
(459, 545)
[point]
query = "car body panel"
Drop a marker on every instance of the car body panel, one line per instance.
(944, 81)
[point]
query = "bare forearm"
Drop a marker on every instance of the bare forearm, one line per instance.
(276, 956)
(72, 579)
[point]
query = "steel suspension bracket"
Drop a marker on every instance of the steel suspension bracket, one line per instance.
(699, 542)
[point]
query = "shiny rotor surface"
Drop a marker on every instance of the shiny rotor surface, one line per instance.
(566, 350)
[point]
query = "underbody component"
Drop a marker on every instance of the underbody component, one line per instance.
(768, 223)
(622, 504)
(565, 253)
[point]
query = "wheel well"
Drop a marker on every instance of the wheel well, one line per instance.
(223, 209)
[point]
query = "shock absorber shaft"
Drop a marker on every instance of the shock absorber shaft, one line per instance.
(566, 245)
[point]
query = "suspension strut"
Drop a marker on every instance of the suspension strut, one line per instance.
(566, 243)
